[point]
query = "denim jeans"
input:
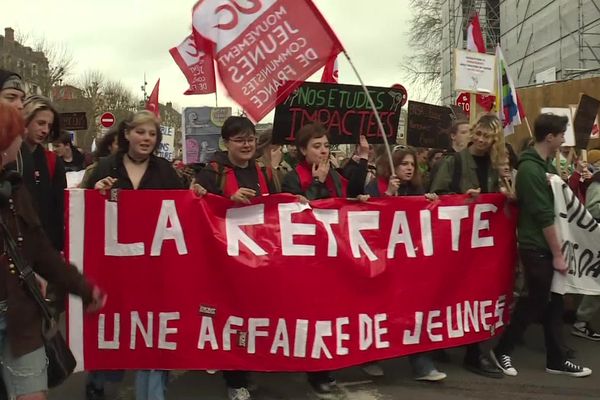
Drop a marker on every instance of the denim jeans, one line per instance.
(22, 375)
(151, 384)
(421, 364)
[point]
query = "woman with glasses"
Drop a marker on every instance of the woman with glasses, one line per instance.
(236, 175)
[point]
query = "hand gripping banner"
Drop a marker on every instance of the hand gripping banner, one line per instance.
(202, 283)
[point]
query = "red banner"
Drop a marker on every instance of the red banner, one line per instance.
(197, 66)
(264, 48)
(201, 283)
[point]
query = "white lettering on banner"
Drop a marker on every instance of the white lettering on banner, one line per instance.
(253, 332)
(322, 330)
(328, 218)
(282, 339)
(168, 227)
(358, 221)
(329, 336)
(455, 214)
(112, 247)
(434, 325)
(104, 343)
(380, 331)
(467, 319)
(342, 336)
(289, 229)
(234, 220)
(300, 338)
(207, 334)
(137, 325)
(164, 330)
(459, 331)
(228, 330)
(400, 223)
(472, 316)
(426, 235)
(482, 224)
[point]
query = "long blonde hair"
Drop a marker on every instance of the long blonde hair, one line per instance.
(491, 123)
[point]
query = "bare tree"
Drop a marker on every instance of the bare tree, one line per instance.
(60, 64)
(424, 68)
(60, 61)
(118, 99)
(91, 84)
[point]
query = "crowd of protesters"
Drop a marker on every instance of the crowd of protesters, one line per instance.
(32, 181)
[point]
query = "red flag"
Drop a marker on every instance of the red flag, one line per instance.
(474, 36)
(197, 65)
(263, 49)
(331, 71)
(152, 104)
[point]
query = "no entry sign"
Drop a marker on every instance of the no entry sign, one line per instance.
(107, 120)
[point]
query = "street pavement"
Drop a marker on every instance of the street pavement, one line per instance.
(531, 383)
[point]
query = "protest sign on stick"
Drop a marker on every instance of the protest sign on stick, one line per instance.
(344, 110)
(583, 120)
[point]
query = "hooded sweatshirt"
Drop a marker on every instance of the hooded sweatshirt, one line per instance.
(536, 201)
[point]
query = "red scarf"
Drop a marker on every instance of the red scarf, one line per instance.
(304, 172)
(231, 184)
(382, 186)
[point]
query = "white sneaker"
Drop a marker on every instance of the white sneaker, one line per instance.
(433, 376)
(238, 394)
(570, 369)
(372, 369)
(504, 362)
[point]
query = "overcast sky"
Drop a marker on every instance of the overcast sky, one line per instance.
(126, 38)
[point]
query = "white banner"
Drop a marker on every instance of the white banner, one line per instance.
(579, 234)
(167, 145)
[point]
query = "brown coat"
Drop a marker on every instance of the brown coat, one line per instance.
(24, 320)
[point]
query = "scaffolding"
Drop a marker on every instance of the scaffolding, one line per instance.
(562, 36)
(455, 19)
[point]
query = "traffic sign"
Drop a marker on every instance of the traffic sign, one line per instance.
(486, 102)
(107, 120)
(402, 90)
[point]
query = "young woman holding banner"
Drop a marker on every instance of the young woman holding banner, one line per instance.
(135, 167)
(472, 171)
(314, 178)
(405, 181)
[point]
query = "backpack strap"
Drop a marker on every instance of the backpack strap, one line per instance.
(50, 162)
(456, 173)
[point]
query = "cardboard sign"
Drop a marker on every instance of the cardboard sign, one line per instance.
(73, 121)
(428, 125)
(583, 120)
(474, 72)
(563, 112)
(344, 110)
(166, 149)
(202, 132)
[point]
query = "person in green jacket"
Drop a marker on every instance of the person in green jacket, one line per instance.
(540, 253)
(474, 169)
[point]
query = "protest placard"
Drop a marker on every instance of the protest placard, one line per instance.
(583, 120)
(344, 110)
(202, 132)
(428, 125)
(474, 72)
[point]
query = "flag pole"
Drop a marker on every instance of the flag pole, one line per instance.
(372, 104)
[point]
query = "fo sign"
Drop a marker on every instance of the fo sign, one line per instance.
(107, 120)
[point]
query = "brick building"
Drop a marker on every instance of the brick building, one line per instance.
(31, 65)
